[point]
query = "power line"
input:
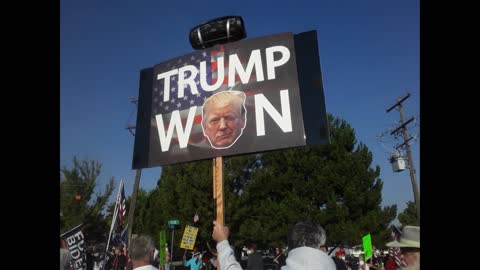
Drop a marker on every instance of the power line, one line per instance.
(136, 184)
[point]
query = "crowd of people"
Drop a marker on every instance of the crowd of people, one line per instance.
(306, 251)
(306, 243)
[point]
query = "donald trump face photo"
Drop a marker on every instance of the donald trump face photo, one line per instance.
(223, 118)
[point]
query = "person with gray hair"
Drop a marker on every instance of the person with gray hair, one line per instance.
(141, 253)
(304, 242)
(224, 118)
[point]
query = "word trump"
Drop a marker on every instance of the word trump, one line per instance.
(187, 74)
(235, 98)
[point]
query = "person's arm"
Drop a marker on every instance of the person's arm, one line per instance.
(226, 258)
(185, 262)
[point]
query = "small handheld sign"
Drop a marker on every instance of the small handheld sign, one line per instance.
(163, 255)
(367, 246)
(189, 237)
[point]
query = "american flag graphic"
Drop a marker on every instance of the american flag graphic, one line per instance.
(395, 251)
(121, 237)
(160, 106)
(183, 104)
(122, 205)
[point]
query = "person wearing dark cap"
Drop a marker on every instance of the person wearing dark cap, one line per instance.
(195, 263)
(409, 244)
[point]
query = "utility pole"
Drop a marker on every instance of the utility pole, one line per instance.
(406, 139)
(133, 201)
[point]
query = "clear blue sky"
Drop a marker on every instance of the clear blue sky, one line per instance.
(369, 55)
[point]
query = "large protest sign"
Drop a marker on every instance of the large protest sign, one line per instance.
(189, 237)
(240, 97)
(76, 246)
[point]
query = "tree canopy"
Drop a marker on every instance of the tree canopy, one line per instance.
(333, 185)
(409, 215)
(79, 203)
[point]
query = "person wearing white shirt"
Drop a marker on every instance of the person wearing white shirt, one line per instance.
(226, 257)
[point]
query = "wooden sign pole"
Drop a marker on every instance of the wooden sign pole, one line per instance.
(218, 199)
(218, 193)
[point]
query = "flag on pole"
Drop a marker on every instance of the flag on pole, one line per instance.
(118, 217)
(395, 251)
(122, 205)
(121, 238)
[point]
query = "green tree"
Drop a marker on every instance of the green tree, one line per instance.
(78, 201)
(409, 215)
(141, 205)
(333, 185)
(140, 208)
(184, 189)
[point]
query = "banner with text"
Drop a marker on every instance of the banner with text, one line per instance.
(189, 237)
(75, 243)
(236, 98)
